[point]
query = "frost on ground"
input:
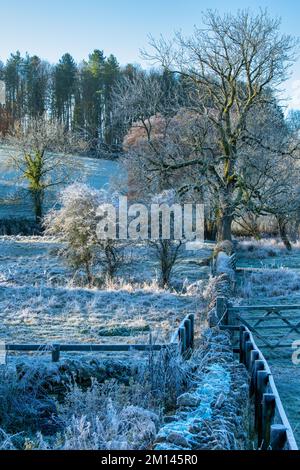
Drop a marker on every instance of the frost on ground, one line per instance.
(39, 300)
(267, 253)
(56, 406)
(271, 284)
(278, 277)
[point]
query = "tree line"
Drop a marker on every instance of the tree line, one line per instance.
(206, 122)
(78, 96)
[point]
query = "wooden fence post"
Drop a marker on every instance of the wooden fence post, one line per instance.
(254, 356)
(268, 413)
(192, 320)
(258, 366)
(248, 349)
(182, 339)
(55, 352)
(262, 379)
(188, 332)
(245, 338)
(254, 361)
(278, 437)
(242, 330)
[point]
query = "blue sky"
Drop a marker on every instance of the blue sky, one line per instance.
(49, 28)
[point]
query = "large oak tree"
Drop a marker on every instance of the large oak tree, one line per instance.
(232, 62)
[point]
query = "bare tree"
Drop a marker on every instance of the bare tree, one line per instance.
(270, 168)
(166, 251)
(231, 64)
(160, 132)
(38, 158)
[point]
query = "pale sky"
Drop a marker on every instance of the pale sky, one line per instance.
(49, 28)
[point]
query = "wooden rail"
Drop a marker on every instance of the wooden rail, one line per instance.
(183, 336)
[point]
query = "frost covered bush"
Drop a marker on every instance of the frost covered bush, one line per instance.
(165, 251)
(103, 418)
(25, 404)
(167, 376)
(76, 224)
(109, 415)
(261, 249)
(113, 416)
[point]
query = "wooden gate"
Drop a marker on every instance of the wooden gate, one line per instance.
(270, 424)
(274, 326)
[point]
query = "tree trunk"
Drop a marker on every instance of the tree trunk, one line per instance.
(210, 230)
(37, 197)
(283, 234)
(89, 275)
(224, 223)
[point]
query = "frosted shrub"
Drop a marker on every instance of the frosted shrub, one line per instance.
(211, 289)
(103, 417)
(6, 441)
(113, 416)
(261, 249)
(81, 434)
(167, 376)
(132, 428)
(138, 425)
(76, 224)
(165, 251)
(24, 402)
(196, 288)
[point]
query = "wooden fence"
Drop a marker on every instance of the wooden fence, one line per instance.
(183, 337)
(272, 428)
(271, 424)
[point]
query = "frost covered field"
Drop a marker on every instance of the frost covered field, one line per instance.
(14, 199)
(39, 300)
(88, 401)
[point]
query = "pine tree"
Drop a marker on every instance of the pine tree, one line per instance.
(95, 76)
(37, 85)
(65, 75)
(111, 75)
(15, 86)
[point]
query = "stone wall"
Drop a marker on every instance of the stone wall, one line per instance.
(215, 414)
